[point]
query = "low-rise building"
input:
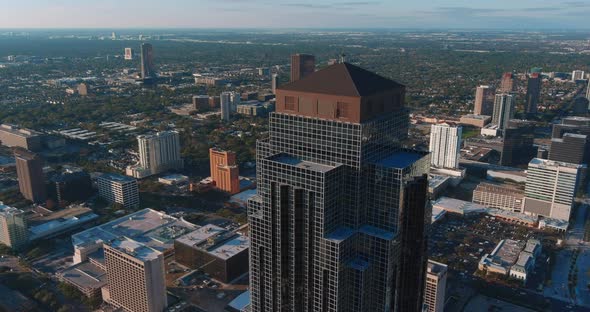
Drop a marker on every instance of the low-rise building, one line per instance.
(479, 121)
(221, 253)
(512, 258)
(14, 136)
(499, 196)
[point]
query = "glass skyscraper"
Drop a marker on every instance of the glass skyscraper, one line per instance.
(339, 220)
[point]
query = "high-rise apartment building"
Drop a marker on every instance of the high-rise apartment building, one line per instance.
(119, 189)
(31, 180)
(533, 93)
(578, 75)
(224, 170)
(148, 69)
(135, 275)
(235, 100)
(13, 227)
(571, 148)
(157, 153)
(341, 208)
(445, 145)
(225, 103)
(507, 84)
(550, 188)
(436, 284)
(302, 65)
(484, 101)
(503, 110)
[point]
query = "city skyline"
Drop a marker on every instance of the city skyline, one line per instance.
(303, 14)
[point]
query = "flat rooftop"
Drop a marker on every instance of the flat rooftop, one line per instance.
(458, 206)
(23, 132)
(85, 274)
(152, 228)
(296, 162)
(400, 159)
(135, 249)
(231, 247)
(538, 162)
(478, 117)
(507, 251)
(42, 216)
(437, 268)
(6, 210)
(116, 177)
(201, 235)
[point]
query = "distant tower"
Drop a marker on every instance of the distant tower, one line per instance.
(31, 180)
(302, 65)
(507, 85)
(484, 101)
(578, 75)
(445, 145)
(533, 93)
(235, 100)
(225, 99)
(274, 83)
(82, 89)
(147, 61)
(128, 54)
(114, 35)
(342, 58)
(160, 152)
(224, 170)
(503, 110)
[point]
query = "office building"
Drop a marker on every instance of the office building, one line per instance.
(14, 136)
(302, 65)
(578, 75)
(508, 84)
(551, 188)
(588, 92)
(135, 276)
(503, 110)
(533, 93)
(128, 54)
(225, 102)
(484, 101)
(578, 125)
(119, 189)
(571, 148)
(499, 196)
(70, 186)
(518, 143)
(445, 145)
(201, 102)
(274, 83)
(158, 153)
(31, 180)
(436, 285)
(214, 101)
(148, 69)
(13, 227)
(580, 106)
(340, 208)
(224, 170)
(218, 252)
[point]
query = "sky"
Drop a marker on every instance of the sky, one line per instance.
(444, 14)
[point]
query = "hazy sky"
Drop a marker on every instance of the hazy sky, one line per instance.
(517, 14)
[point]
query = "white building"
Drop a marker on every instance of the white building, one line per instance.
(119, 189)
(445, 145)
(578, 75)
(435, 287)
(503, 110)
(551, 188)
(13, 227)
(588, 93)
(157, 153)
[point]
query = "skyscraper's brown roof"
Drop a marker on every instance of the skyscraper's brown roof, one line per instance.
(343, 79)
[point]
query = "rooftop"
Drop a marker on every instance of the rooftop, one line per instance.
(478, 117)
(241, 302)
(437, 268)
(201, 235)
(507, 251)
(6, 210)
(400, 159)
(14, 129)
(231, 247)
(85, 274)
(116, 177)
(296, 162)
(458, 206)
(343, 79)
(135, 249)
(152, 228)
(539, 163)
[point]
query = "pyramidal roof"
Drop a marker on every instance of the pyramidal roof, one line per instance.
(342, 79)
